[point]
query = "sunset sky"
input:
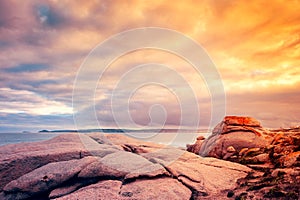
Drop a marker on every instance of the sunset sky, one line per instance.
(255, 46)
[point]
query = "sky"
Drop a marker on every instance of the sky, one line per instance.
(254, 45)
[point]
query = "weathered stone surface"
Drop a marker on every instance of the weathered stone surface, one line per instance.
(235, 133)
(108, 189)
(216, 145)
(19, 159)
(149, 171)
(162, 188)
(113, 165)
(207, 176)
(126, 143)
(167, 155)
(98, 169)
(47, 177)
(58, 192)
(132, 161)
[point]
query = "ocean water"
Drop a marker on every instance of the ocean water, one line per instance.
(13, 138)
(172, 139)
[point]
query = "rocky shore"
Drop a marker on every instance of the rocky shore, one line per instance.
(240, 160)
(273, 156)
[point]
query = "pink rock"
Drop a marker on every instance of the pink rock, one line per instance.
(108, 189)
(47, 177)
(238, 132)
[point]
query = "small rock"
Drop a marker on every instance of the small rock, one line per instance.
(127, 194)
(228, 155)
(262, 158)
(292, 159)
(243, 151)
(252, 151)
(200, 137)
(230, 149)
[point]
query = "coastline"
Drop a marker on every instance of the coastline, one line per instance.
(113, 166)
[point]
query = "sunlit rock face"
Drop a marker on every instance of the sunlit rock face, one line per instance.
(244, 140)
(274, 156)
(237, 133)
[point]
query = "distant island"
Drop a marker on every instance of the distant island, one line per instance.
(114, 130)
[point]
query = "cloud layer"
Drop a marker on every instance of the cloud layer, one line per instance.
(255, 46)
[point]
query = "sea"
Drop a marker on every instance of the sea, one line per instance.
(172, 139)
(13, 138)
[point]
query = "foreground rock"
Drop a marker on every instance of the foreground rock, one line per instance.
(45, 178)
(19, 159)
(112, 167)
(275, 154)
(162, 188)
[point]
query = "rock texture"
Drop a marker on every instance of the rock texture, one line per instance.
(273, 154)
(101, 166)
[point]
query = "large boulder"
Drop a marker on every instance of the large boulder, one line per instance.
(234, 133)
